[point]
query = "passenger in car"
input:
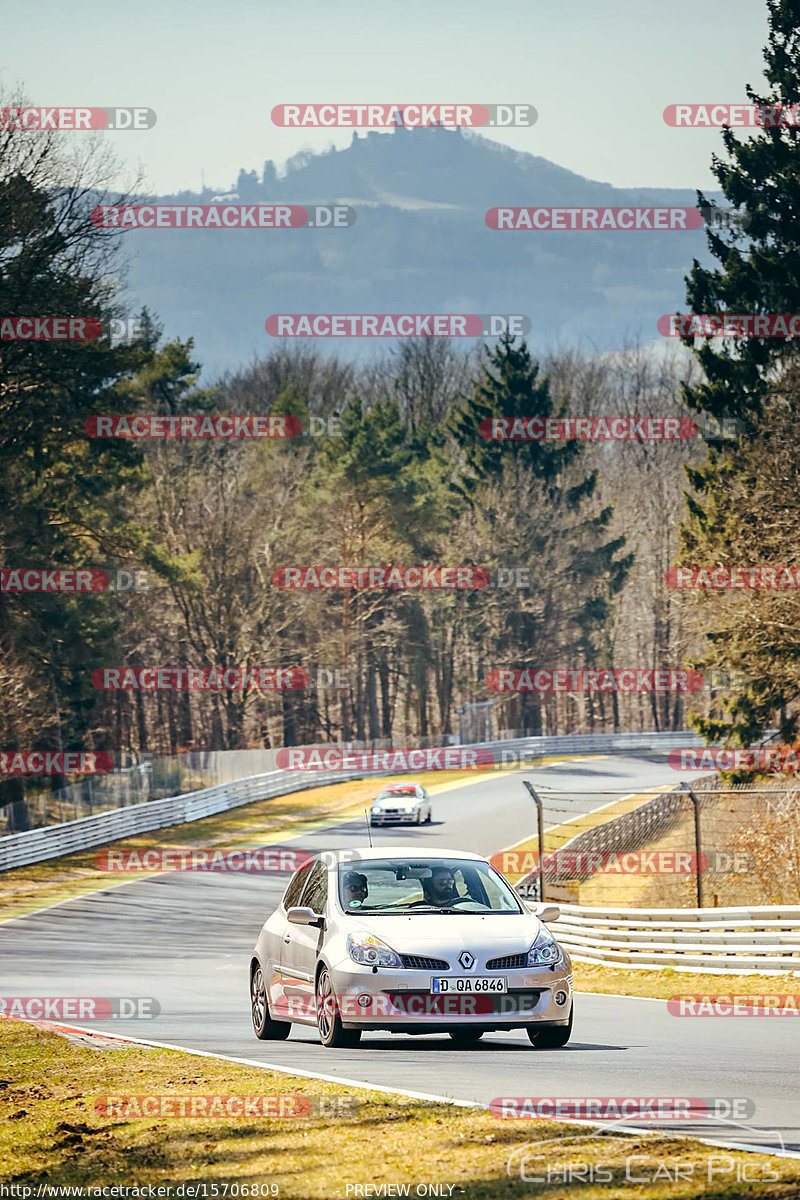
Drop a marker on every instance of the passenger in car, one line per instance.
(355, 889)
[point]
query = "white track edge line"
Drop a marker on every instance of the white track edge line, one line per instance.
(473, 1104)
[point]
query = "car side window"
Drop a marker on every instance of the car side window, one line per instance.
(316, 894)
(296, 885)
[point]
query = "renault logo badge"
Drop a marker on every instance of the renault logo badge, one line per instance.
(466, 959)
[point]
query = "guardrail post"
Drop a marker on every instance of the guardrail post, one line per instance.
(540, 827)
(698, 871)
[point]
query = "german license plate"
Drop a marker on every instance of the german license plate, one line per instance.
(478, 983)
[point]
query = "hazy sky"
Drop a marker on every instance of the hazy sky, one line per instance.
(599, 74)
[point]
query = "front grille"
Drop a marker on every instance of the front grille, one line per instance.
(418, 962)
(515, 1005)
(509, 962)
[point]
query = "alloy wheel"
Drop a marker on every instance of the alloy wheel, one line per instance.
(258, 999)
(325, 1004)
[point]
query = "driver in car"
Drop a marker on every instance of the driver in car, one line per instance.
(355, 889)
(440, 889)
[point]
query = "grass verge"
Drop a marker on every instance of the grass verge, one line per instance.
(661, 984)
(51, 1133)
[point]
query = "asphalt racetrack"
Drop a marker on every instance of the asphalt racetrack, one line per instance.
(185, 939)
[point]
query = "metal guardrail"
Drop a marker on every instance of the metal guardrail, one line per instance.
(37, 845)
(53, 841)
(758, 940)
(596, 743)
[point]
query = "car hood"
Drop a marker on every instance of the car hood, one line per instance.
(408, 935)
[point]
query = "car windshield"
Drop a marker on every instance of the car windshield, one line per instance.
(407, 885)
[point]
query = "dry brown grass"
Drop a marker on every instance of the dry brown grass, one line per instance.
(51, 1133)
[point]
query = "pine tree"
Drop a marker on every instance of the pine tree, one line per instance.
(760, 267)
(752, 380)
(534, 508)
(509, 386)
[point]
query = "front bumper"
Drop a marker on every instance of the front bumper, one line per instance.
(406, 818)
(402, 999)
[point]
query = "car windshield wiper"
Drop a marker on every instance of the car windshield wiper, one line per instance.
(448, 911)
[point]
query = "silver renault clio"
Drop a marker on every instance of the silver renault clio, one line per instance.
(411, 941)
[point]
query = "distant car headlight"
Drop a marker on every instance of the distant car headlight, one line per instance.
(372, 952)
(545, 951)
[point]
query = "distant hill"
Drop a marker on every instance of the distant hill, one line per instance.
(419, 244)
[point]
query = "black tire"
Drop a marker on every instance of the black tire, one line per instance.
(466, 1037)
(429, 817)
(329, 1023)
(550, 1037)
(265, 1029)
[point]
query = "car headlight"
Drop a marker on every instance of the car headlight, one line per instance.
(372, 952)
(545, 951)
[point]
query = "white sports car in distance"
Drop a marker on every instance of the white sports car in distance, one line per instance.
(413, 941)
(401, 804)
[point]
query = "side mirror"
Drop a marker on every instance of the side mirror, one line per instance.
(303, 916)
(547, 912)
